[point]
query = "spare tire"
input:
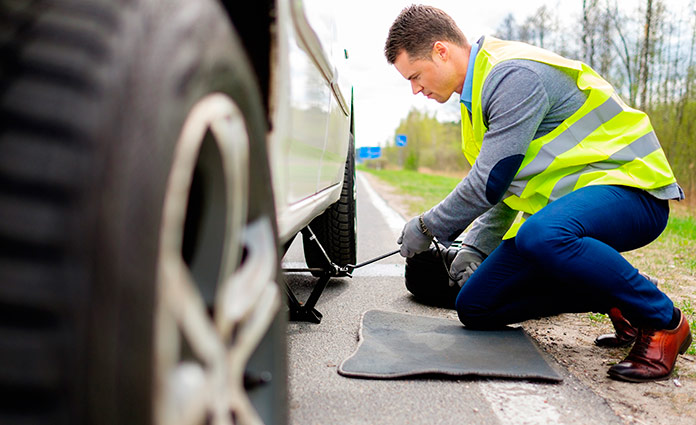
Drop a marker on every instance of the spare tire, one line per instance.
(427, 279)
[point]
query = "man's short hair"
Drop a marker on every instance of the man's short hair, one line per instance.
(416, 30)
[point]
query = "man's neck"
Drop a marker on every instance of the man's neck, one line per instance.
(463, 65)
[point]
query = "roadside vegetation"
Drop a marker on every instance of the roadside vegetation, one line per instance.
(423, 190)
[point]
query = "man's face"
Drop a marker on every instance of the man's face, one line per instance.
(434, 78)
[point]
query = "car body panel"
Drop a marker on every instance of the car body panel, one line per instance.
(309, 111)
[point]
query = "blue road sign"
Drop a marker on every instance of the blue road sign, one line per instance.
(369, 152)
(401, 140)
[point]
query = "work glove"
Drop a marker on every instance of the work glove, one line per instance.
(465, 264)
(414, 238)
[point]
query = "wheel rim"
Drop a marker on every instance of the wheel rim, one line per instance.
(216, 295)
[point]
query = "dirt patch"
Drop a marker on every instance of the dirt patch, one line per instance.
(460, 174)
(569, 339)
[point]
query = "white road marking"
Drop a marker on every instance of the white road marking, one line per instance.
(519, 403)
(393, 219)
(382, 270)
(371, 270)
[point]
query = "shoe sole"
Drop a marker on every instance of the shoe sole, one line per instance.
(613, 345)
(686, 344)
(620, 377)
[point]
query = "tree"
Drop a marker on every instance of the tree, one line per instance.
(690, 74)
(507, 30)
(654, 10)
(622, 48)
(431, 144)
(589, 27)
(605, 54)
(538, 27)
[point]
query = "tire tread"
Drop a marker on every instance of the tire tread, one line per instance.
(49, 88)
(335, 228)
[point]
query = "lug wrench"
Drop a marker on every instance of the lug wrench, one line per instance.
(305, 311)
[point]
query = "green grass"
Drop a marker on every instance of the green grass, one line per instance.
(424, 190)
(598, 318)
(687, 309)
(679, 239)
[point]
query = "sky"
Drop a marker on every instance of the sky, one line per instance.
(382, 97)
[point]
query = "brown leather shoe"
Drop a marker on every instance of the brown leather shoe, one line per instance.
(624, 333)
(654, 355)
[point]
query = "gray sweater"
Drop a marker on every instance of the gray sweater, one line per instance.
(521, 100)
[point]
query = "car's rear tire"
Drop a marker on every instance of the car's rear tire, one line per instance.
(336, 228)
(130, 247)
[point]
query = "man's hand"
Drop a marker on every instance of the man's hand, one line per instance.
(413, 238)
(465, 264)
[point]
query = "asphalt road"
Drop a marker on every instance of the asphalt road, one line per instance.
(319, 395)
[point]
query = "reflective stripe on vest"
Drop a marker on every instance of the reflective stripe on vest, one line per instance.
(603, 142)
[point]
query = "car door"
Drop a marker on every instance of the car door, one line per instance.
(310, 100)
(310, 123)
(322, 16)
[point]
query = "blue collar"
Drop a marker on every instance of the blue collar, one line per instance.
(469, 80)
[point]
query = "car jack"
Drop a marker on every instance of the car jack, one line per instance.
(305, 312)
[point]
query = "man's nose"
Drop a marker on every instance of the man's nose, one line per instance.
(415, 87)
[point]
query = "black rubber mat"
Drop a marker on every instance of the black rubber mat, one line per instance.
(397, 345)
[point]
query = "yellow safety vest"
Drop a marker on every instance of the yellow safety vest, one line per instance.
(604, 142)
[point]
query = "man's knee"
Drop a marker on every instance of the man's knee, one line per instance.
(473, 315)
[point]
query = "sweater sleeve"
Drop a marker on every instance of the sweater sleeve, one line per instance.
(487, 231)
(514, 103)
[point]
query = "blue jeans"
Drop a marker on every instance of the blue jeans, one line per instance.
(565, 259)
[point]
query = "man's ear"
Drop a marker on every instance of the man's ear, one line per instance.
(441, 50)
